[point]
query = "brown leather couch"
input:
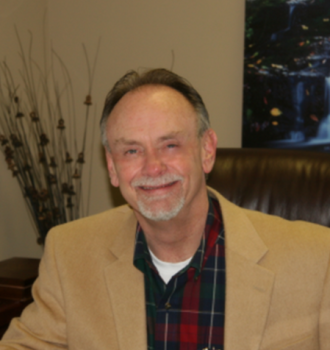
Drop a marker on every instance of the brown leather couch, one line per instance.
(289, 183)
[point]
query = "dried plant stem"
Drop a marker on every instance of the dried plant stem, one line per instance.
(38, 137)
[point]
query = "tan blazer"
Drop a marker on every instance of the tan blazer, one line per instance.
(90, 296)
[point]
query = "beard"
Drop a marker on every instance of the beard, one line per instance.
(163, 207)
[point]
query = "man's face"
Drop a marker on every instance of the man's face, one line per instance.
(156, 158)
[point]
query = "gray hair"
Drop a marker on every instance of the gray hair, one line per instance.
(133, 80)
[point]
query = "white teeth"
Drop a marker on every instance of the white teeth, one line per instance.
(153, 188)
(149, 183)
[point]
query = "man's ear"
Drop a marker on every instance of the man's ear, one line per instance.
(111, 169)
(209, 146)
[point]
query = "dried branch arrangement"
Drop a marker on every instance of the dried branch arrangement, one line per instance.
(39, 138)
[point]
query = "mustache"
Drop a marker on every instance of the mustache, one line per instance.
(156, 181)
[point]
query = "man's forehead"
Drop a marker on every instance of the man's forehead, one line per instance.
(156, 110)
(160, 98)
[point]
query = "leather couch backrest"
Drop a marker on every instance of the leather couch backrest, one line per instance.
(289, 183)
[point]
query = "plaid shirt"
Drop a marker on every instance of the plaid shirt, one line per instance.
(188, 312)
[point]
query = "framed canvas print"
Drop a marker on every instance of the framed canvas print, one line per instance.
(287, 74)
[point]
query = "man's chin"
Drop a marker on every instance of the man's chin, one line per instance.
(154, 212)
(158, 216)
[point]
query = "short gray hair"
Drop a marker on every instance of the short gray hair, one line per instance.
(133, 80)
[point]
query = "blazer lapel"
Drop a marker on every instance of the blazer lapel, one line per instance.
(248, 296)
(126, 291)
(248, 285)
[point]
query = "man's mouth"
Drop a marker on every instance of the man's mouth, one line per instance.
(156, 185)
(151, 188)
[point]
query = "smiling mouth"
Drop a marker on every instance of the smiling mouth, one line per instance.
(156, 185)
(152, 188)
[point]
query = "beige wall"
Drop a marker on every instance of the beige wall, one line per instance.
(205, 36)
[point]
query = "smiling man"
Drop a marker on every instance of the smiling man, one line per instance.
(179, 267)
(159, 146)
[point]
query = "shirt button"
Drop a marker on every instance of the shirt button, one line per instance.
(168, 306)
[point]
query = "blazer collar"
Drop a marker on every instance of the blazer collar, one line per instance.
(125, 286)
(123, 244)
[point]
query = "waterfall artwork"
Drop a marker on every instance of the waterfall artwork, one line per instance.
(287, 74)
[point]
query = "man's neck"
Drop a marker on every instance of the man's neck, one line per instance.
(177, 239)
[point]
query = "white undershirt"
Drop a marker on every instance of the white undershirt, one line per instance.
(167, 270)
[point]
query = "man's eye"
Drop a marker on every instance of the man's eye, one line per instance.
(171, 145)
(131, 151)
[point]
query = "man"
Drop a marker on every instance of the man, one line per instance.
(180, 267)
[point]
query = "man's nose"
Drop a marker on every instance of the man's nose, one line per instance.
(153, 164)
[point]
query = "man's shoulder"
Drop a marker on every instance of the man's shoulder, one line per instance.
(102, 226)
(268, 225)
(273, 229)
(298, 242)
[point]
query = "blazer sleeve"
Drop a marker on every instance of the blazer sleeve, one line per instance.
(42, 325)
